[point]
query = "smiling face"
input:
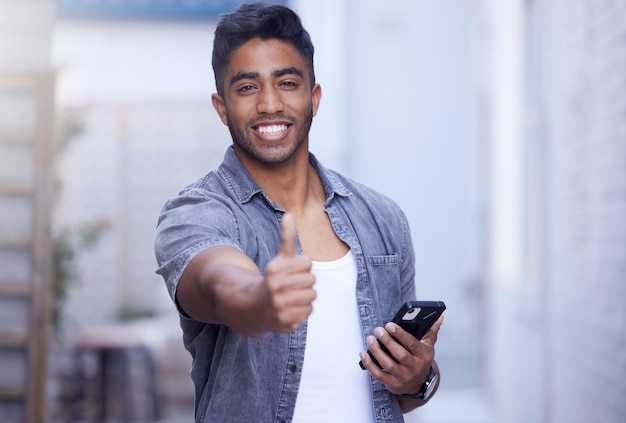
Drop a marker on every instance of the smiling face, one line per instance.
(268, 102)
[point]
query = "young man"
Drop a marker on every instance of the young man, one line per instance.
(281, 268)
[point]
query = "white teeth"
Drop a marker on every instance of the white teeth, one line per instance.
(272, 129)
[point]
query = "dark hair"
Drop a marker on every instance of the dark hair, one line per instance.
(258, 20)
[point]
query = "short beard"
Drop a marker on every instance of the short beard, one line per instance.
(275, 156)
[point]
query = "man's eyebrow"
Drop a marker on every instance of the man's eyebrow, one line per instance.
(243, 75)
(287, 71)
(276, 74)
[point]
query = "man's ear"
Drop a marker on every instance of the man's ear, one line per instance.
(316, 97)
(220, 107)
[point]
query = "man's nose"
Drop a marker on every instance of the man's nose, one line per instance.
(270, 101)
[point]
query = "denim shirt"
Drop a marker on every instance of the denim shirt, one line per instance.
(244, 379)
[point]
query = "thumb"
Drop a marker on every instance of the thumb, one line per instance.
(288, 236)
(432, 333)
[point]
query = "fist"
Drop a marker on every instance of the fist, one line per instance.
(289, 283)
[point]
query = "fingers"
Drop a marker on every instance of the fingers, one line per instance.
(288, 260)
(405, 361)
(288, 236)
(403, 346)
(409, 341)
(378, 353)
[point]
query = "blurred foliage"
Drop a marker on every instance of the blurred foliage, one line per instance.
(129, 314)
(68, 243)
(70, 126)
(66, 246)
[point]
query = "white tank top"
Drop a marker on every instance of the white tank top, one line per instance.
(333, 387)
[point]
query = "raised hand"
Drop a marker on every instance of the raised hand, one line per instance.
(289, 283)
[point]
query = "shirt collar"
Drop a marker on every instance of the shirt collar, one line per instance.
(245, 187)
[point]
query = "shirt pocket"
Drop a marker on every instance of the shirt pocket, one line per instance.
(385, 283)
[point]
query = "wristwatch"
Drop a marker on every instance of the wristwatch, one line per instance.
(427, 388)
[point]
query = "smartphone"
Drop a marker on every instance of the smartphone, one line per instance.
(415, 317)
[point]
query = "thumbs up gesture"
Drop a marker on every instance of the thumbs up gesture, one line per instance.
(289, 283)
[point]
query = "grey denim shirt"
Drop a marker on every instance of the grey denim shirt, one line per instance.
(243, 379)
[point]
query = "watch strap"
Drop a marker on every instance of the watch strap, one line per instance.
(427, 388)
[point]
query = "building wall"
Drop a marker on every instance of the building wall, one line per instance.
(26, 103)
(557, 327)
(584, 123)
(141, 90)
(25, 34)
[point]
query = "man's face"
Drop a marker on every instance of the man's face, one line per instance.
(268, 103)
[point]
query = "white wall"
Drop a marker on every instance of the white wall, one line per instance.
(143, 90)
(557, 266)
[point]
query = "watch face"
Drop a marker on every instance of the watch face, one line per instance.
(431, 387)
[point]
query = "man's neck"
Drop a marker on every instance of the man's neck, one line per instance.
(297, 187)
(294, 185)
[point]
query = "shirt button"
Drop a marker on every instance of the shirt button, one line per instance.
(293, 368)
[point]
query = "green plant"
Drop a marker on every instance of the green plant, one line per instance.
(68, 243)
(130, 314)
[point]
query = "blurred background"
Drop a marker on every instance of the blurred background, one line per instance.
(498, 125)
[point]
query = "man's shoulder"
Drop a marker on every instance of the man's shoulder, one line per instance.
(206, 186)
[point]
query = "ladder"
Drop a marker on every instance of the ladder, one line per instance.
(26, 128)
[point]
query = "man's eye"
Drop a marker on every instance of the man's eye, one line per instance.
(289, 84)
(246, 88)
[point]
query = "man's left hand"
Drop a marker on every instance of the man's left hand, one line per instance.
(413, 358)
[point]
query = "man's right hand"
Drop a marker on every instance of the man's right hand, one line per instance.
(222, 285)
(289, 283)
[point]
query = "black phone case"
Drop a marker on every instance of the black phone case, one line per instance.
(418, 325)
